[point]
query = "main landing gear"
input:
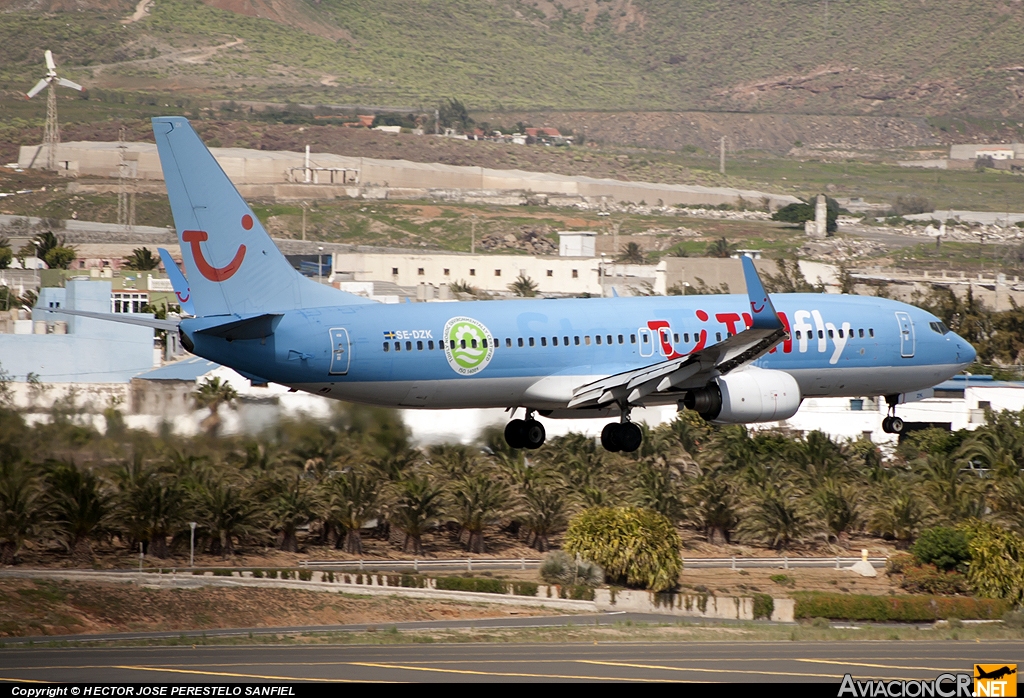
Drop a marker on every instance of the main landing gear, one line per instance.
(892, 424)
(621, 436)
(525, 433)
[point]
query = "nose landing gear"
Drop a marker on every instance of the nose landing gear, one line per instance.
(892, 424)
(622, 436)
(525, 433)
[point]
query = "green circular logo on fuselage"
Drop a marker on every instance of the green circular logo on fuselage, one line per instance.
(468, 345)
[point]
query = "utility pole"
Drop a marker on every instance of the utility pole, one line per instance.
(192, 544)
(472, 239)
(721, 155)
(437, 122)
(303, 220)
(125, 186)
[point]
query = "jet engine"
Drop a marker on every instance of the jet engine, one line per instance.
(750, 395)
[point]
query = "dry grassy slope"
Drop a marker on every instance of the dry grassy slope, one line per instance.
(870, 57)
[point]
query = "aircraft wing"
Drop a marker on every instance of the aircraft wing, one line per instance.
(697, 368)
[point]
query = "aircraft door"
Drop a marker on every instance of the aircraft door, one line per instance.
(646, 341)
(341, 351)
(906, 334)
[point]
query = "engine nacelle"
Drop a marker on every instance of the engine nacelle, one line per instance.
(751, 395)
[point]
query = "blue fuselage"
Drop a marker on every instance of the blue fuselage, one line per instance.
(535, 352)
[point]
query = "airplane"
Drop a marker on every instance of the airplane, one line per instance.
(731, 358)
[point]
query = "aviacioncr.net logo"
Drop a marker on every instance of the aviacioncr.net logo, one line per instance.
(468, 345)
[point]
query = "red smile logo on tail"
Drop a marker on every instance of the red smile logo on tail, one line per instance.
(194, 237)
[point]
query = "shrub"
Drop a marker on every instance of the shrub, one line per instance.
(409, 581)
(577, 592)
(783, 579)
(996, 567)
(911, 204)
(899, 563)
(257, 574)
(559, 568)
(927, 579)
(479, 585)
(222, 573)
(814, 604)
(944, 547)
(636, 547)
(764, 606)
(305, 575)
(272, 574)
(524, 588)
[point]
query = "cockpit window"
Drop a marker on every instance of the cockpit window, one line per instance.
(939, 327)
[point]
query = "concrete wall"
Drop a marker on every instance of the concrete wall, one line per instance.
(262, 167)
(691, 605)
(93, 351)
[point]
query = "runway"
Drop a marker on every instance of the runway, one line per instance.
(748, 662)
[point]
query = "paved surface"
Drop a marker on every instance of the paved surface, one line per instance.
(671, 661)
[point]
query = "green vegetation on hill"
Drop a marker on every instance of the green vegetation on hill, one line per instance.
(870, 57)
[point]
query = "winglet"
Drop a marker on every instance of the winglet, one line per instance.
(761, 309)
(178, 282)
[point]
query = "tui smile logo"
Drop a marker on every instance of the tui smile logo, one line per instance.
(216, 274)
(468, 345)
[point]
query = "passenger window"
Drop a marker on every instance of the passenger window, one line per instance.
(831, 335)
(675, 337)
(462, 343)
(821, 334)
(408, 346)
(531, 341)
(597, 338)
(398, 346)
(508, 342)
(609, 339)
(840, 334)
(632, 339)
(520, 341)
(686, 337)
(565, 341)
(798, 334)
(718, 336)
(871, 331)
(387, 347)
(860, 333)
(472, 343)
(419, 346)
(620, 339)
(554, 341)
(576, 340)
(586, 339)
(543, 341)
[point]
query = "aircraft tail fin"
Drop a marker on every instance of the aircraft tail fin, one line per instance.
(232, 265)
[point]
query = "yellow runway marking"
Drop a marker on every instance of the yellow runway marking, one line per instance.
(709, 671)
(8, 678)
(227, 673)
(875, 666)
(503, 673)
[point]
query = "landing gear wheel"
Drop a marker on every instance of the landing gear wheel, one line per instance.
(610, 437)
(895, 425)
(533, 434)
(515, 435)
(630, 437)
(887, 425)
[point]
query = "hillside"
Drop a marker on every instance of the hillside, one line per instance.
(918, 58)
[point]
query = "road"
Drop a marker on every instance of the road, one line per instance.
(671, 661)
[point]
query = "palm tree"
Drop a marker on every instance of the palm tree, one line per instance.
(545, 514)
(455, 461)
(81, 505)
(720, 248)
(141, 259)
(353, 499)
(148, 505)
(212, 393)
(293, 506)
(523, 286)
(897, 512)
(478, 501)
(838, 507)
(657, 487)
(225, 511)
(956, 496)
(631, 253)
(417, 508)
(711, 507)
(1009, 502)
(25, 512)
(775, 516)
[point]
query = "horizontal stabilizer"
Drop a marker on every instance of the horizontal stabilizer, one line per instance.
(255, 327)
(125, 318)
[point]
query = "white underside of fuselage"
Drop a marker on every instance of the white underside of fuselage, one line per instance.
(554, 392)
